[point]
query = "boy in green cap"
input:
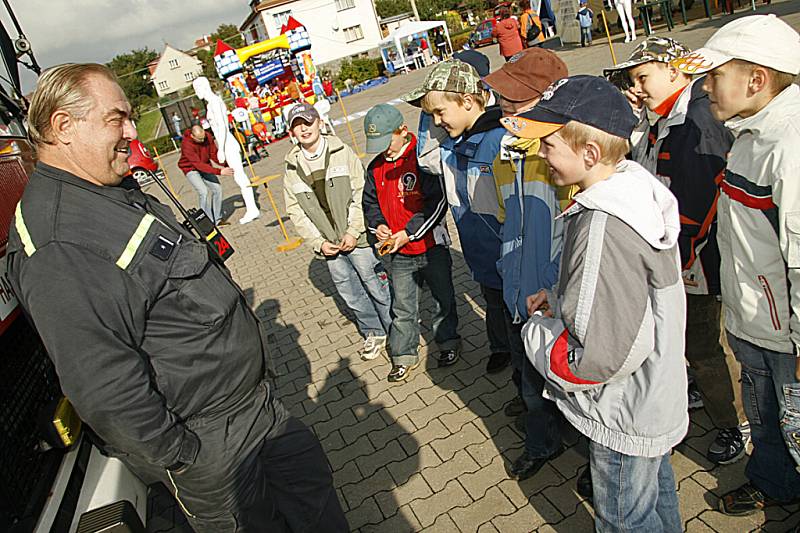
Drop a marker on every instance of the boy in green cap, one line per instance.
(404, 208)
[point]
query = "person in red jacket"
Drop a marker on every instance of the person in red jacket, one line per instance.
(198, 160)
(506, 31)
(404, 208)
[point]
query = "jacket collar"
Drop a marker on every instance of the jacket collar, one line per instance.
(295, 157)
(766, 119)
(117, 193)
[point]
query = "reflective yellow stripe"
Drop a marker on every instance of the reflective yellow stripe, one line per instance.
(136, 241)
(211, 235)
(24, 236)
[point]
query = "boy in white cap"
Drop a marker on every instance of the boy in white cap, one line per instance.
(751, 64)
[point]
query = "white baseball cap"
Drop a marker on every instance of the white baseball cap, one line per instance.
(764, 40)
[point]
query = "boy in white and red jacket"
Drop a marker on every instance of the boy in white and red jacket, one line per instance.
(404, 207)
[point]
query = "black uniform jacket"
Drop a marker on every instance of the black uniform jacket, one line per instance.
(151, 339)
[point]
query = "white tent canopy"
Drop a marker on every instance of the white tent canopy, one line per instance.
(412, 28)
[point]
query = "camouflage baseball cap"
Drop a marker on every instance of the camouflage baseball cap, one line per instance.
(654, 48)
(451, 76)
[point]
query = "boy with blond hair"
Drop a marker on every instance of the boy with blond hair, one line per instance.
(608, 338)
(404, 207)
(751, 64)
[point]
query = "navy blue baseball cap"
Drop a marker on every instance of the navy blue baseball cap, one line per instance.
(590, 100)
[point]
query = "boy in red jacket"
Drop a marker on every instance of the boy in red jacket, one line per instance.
(405, 207)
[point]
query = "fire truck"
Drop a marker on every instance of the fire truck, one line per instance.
(52, 478)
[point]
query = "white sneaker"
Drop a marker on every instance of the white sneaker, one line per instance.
(373, 346)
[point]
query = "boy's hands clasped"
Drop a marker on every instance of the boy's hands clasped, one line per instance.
(347, 244)
(538, 302)
(398, 240)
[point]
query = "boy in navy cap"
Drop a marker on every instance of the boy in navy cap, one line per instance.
(608, 338)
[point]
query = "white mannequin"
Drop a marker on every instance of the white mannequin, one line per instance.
(228, 148)
(626, 17)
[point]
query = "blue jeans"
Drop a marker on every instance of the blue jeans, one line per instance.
(543, 419)
(407, 274)
(497, 319)
(361, 281)
(633, 493)
(586, 36)
(790, 423)
(209, 193)
(764, 373)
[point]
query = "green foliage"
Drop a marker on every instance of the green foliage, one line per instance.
(390, 8)
(358, 70)
(459, 39)
(161, 145)
(227, 33)
(131, 69)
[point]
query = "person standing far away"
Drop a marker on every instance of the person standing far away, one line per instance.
(506, 31)
(323, 186)
(585, 17)
(751, 64)
(530, 26)
(199, 163)
(154, 344)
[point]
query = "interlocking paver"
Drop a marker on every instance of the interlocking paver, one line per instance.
(469, 518)
(403, 521)
(401, 429)
(443, 524)
(372, 422)
(478, 482)
(455, 421)
(447, 447)
(421, 417)
(424, 458)
(370, 463)
(415, 488)
(359, 448)
(530, 516)
(439, 476)
(453, 495)
(356, 493)
(433, 431)
(367, 513)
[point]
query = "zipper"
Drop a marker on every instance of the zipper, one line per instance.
(773, 311)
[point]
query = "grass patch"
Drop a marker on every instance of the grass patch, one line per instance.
(148, 124)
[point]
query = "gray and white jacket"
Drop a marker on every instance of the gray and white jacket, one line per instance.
(612, 353)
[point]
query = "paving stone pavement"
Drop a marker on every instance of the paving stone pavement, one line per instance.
(430, 454)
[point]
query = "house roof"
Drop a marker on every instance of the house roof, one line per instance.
(258, 8)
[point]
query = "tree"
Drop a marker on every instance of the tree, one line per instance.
(134, 78)
(390, 8)
(227, 33)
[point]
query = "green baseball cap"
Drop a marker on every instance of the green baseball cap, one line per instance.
(451, 76)
(379, 124)
(654, 48)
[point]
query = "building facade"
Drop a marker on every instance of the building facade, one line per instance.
(174, 70)
(337, 28)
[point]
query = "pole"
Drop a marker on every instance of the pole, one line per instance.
(359, 153)
(254, 180)
(414, 9)
(608, 36)
(164, 170)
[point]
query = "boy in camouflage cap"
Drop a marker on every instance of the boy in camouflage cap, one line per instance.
(685, 147)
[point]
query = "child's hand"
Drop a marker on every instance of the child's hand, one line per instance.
(538, 301)
(400, 240)
(348, 243)
(383, 232)
(329, 249)
(633, 98)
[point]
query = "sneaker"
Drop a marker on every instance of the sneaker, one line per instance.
(526, 466)
(515, 407)
(747, 500)
(497, 362)
(373, 346)
(695, 399)
(401, 372)
(584, 487)
(730, 445)
(448, 357)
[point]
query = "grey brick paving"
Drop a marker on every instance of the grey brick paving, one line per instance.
(430, 454)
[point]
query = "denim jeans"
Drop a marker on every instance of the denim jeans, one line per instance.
(361, 281)
(633, 493)
(764, 374)
(543, 419)
(586, 36)
(209, 193)
(407, 275)
(497, 318)
(790, 423)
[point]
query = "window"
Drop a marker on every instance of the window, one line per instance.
(341, 5)
(189, 76)
(281, 18)
(173, 63)
(163, 85)
(353, 33)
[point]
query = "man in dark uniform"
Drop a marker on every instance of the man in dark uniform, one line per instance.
(154, 344)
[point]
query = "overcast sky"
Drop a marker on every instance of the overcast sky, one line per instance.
(97, 30)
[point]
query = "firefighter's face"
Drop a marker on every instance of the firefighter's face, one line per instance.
(98, 142)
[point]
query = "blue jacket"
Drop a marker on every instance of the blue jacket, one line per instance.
(532, 235)
(467, 166)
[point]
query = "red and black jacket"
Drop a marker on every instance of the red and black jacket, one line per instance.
(402, 196)
(198, 156)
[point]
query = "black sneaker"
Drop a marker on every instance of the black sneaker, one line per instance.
(730, 445)
(401, 372)
(497, 362)
(526, 466)
(447, 357)
(584, 485)
(515, 407)
(747, 500)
